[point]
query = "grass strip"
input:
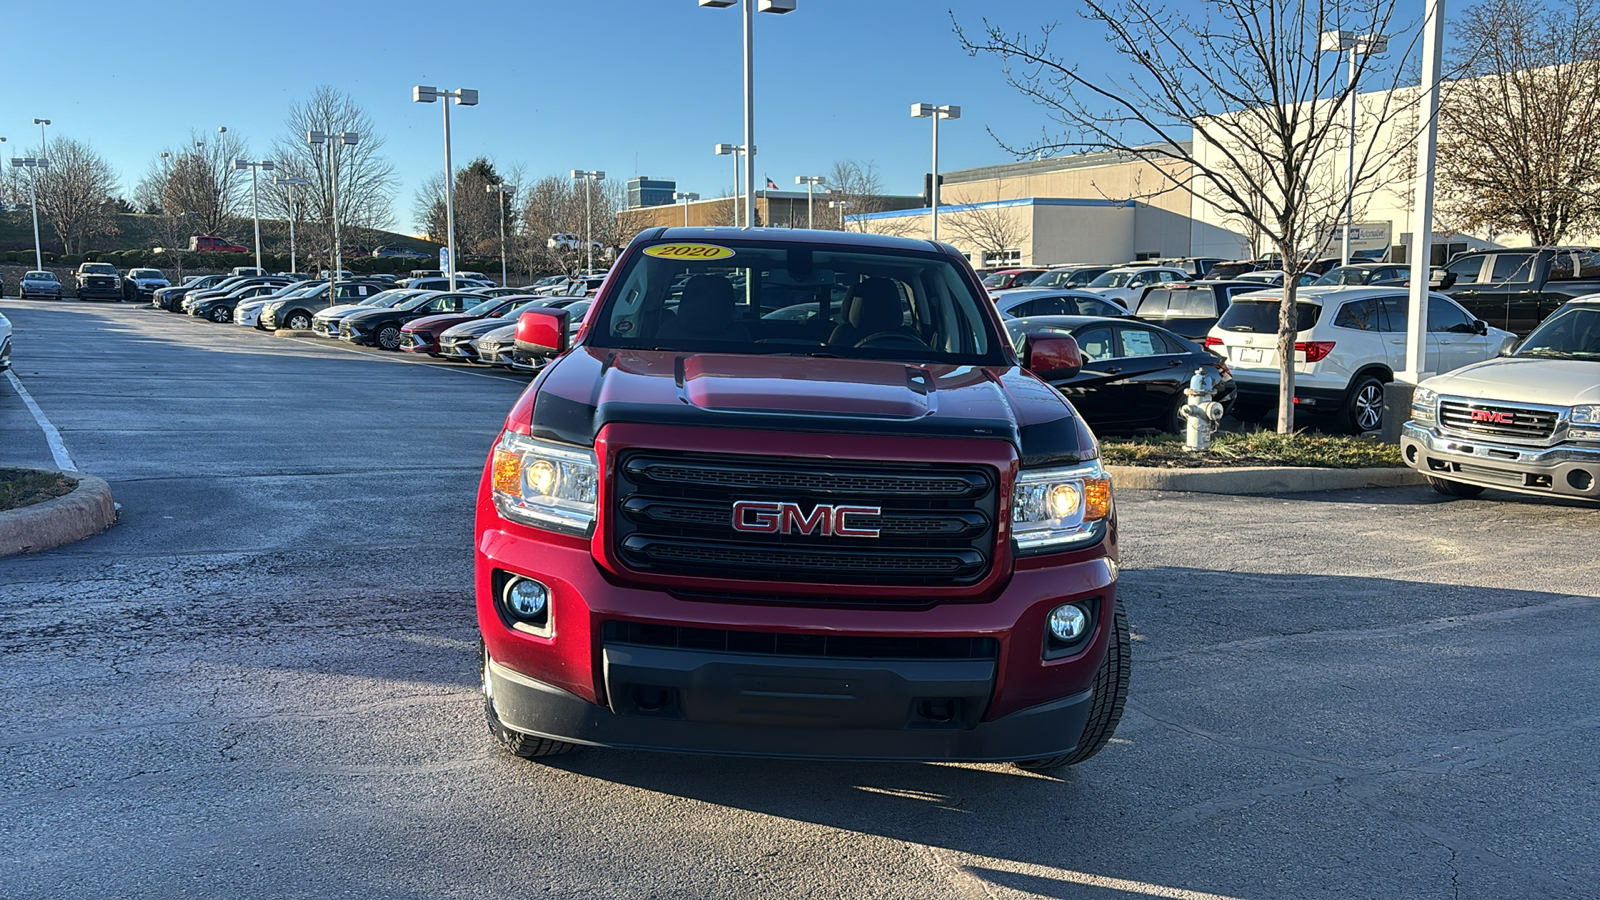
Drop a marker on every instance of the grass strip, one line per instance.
(1253, 448)
(25, 487)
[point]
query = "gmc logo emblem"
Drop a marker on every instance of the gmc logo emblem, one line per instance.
(761, 517)
(1494, 417)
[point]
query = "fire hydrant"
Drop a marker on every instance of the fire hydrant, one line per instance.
(1203, 414)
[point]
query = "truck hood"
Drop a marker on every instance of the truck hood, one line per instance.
(591, 387)
(1551, 382)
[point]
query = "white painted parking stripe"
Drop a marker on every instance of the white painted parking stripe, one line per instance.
(58, 449)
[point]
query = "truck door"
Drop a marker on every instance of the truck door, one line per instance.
(1514, 279)
(1473, 291)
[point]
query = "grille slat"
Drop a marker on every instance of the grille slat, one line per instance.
(762, 643)
(1495, 419)
(937, 525)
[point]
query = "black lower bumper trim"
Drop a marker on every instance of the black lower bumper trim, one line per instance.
(836, 711)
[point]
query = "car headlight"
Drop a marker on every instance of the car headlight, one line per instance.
(1585, 423)
(1052, 509)
(548, 485)
(1425, 405)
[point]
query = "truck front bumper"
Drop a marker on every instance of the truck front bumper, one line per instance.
(1565, 471)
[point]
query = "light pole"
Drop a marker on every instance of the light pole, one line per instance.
(265, 165)
(811, 182)
(1422, 236)
(686, 198)
(502, 189)
(33, 164)
(733, 151)
(768, 6)
(1355, 45)
(929, 111)
(342, 139)
(841, 206)
(589, 178)
(464, 97)
(291, 183)
(43, 150)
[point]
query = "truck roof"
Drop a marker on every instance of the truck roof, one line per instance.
(792, 236)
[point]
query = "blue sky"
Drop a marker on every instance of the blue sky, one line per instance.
(627, 86)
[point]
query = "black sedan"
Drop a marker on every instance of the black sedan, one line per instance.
(1134, 374)
(380, 326)
(220, 309)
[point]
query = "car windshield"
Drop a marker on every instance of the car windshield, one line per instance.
(520, 308)
(1572, 333)
(1346, 275)
(1112, 280)
(145, 273)
(484, 308)
(98, 269)
(409, 303)
(41, 276)
(1261, 316)
(879, 303)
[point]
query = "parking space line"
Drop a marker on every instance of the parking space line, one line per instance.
(313, 342)
(58, 448)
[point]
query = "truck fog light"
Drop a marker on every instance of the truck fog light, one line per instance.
(1067, 622)
(527, 599)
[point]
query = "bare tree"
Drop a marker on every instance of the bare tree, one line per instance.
(988, 228)
(1520, 129)
(366, 180)
(1237, 106)
(76, 194)
(860, 185)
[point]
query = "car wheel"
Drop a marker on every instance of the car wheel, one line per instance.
(298, 321)
(387, 336)
(221, 314)
(1454, 488)
(1174, 422)
(1105, 711)
(1363, 406)
(527, 746)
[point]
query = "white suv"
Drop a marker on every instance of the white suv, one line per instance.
(1351, 341)
(1124, 286)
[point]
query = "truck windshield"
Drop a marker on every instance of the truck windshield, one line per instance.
(1572, 333)
(740, 297)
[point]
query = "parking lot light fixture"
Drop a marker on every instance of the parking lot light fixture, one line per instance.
(841, 206)
(44, 151)
(502, 189)
(929, 111)
(811, 182)
(687, 199)
(463, 97)
(333, 141)
(589, 178)
(265, 165)
(33, 165)
(291, 183)
(750, 8)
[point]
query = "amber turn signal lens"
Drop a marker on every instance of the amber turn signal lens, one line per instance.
(1096, 498)
(507, 472)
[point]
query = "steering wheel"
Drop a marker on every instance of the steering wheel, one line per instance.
(892, 337)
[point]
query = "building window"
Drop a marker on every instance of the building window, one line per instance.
(1009, 257)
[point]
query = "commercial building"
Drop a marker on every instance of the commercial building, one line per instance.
(778, 209)
(645, 191)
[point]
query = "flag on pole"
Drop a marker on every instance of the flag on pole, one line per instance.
(771, 185)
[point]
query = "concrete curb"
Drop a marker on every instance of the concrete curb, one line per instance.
(85, 512)
(1258, 479)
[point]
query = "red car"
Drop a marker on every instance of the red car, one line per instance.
(422, 335)
(1004, 279)
(869, 533)
(213, 244)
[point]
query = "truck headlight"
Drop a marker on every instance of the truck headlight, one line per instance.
(1585, 423)
(1425, 405)
(543, 484)
(1056, 508)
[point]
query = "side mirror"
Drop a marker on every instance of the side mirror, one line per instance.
(1440, 279)
(1052, 356)
(542, 333)
(1480, 327)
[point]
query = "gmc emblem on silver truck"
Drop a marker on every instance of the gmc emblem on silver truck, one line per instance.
(762, 517)
(1494, 417)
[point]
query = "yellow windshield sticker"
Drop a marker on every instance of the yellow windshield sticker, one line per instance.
(688, 251)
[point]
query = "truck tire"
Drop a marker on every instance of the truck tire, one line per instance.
(1454, 488)
(1105, 711)
(517, 743)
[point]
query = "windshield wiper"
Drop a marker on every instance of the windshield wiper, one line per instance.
(1545, 352)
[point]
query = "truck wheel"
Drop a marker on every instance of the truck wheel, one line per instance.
(516, 743)
(1454, 488)
(1363, 406)
(1105, 711)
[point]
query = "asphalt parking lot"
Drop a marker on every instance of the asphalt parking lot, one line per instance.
(262, 681)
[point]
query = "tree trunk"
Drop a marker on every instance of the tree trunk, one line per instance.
(1287, 317)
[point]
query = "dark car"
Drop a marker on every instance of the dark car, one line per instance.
(1374, 274)
(227, 286)
(1190, 308)
(220, 309)
(422, 335)
(380, 326)
(140, 284)
(1227, 271)
(1134, 374)
(99, 281)
(457, 343)
(1516, 289)
(298, 311)
(395, 251)
(1023, 302)
(169, 298)
(1003, 279)
(1069, 276)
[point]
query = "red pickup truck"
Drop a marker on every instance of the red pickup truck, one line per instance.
(213, 244)
(797, 494)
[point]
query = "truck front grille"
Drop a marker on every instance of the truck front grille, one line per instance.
(1514, 422)
(675, 516)
(824, 646)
